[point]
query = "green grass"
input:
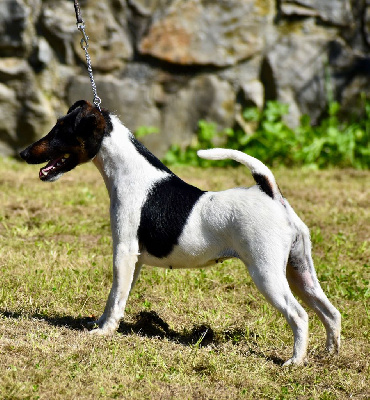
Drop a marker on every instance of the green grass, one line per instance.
(192, 334)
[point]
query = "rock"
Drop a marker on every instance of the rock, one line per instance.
(109, 44)
(136, 103)
(42, 54)
(205, 97)
(336, 12)
(16, 28)
(132, 101)
(294, 72)
(245, 80)
(367, 23)
(254, 93)
(8, 125)
(242, 72)
(36, 118)
(59, 24)
(12, 69)
(28, 106)
(349, 76)
(208, 33)
(147, 7)
(350, 99)
(169, 63)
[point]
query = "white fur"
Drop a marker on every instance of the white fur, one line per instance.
(243, 223)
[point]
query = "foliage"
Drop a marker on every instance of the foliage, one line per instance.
(144, 130)
(330, 143)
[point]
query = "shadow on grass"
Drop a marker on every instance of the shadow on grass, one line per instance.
(76, 324)
(150, 324)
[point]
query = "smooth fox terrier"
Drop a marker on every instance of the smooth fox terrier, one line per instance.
(157, 219)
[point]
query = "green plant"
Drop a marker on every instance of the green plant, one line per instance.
(144, 130)
(330, 143)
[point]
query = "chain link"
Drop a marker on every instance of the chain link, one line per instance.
(85, 45)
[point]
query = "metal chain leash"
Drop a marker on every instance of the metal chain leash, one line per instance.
(85, 45)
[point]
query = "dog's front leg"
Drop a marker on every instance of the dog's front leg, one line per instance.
(124, 266)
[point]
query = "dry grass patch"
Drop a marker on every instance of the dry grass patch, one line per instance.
(192, 334)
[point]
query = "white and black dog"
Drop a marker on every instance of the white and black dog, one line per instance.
(159, 220)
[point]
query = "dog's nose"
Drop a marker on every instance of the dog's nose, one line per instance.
(24, 154)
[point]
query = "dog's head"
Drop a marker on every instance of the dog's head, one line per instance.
(75, 139)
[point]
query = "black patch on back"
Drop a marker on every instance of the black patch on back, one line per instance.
(151, 158)
(164, 214)
(109, 126)
(264, 184)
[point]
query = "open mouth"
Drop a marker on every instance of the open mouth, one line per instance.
(53, 167)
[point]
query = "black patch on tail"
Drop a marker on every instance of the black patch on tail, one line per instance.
(164, 215)
(264, 184)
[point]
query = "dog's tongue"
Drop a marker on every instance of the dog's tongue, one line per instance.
(51, 164)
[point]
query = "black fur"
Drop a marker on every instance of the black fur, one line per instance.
(165, 213)
(151, 158)
(264, 184)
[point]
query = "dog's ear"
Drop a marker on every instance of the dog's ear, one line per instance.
(91, 124)
(86, 124)
(77, 104)
(90, 131)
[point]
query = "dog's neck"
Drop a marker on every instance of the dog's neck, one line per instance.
(120, 163)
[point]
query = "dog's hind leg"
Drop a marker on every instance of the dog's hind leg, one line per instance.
(270, 279)
(137, 271)
(303, 281)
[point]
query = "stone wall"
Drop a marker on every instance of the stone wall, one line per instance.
(170, 63)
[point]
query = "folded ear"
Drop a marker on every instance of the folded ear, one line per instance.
(87, 125)
(79, 103)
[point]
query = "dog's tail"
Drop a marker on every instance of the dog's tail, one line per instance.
(261, 174)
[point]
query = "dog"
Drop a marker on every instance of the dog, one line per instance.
(157, 219)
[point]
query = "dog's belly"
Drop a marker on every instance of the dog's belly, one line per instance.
(181, 259)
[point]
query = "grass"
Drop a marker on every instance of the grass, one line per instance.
(192, 334)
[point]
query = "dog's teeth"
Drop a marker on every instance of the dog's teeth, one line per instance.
(44, 173)
(63, 159)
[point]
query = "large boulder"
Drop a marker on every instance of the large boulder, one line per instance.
(17, 19)
(204, 97)
(131, 100)
(295, 70)
(208, 32)
(29, 114)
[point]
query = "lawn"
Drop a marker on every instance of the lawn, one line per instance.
(191, 334)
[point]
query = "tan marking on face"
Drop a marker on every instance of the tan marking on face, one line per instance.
(40, 148)
(100, 121)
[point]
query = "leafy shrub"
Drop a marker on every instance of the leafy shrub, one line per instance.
(331, 143)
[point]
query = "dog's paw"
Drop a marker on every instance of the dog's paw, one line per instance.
(295, 361)
(333, 345)
(104, 331)
(103, 327)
